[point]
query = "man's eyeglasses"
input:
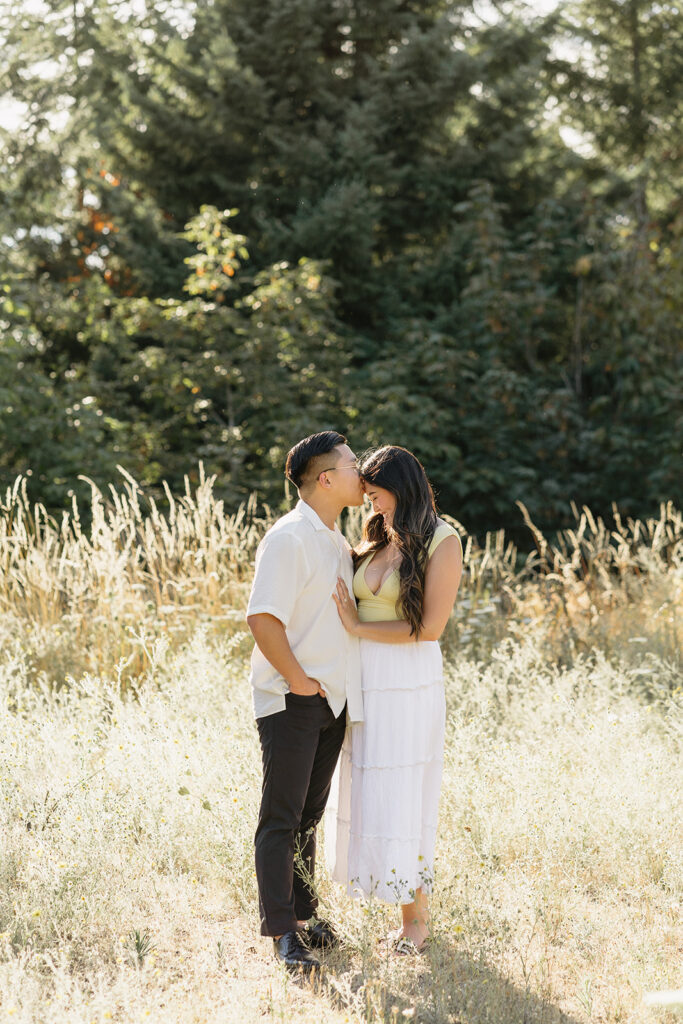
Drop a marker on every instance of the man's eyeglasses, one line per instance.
(351, 465)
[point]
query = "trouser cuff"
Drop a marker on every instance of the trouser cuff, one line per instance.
(278, 926)
(303, 912)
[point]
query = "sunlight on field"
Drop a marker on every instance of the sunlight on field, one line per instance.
(130, 778)
(559, 872)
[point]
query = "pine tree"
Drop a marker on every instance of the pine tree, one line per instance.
(621, 88)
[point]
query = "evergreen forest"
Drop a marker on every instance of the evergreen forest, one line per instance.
(454, 225)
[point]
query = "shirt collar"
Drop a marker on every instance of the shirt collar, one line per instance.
(313, 517)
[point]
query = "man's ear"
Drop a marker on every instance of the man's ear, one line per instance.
(324, 480)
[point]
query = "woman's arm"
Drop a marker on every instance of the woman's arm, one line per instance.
(442, 579)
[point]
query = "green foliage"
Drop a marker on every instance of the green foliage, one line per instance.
(138, 947)
(216, 378)
(621, 89)
(411, 253)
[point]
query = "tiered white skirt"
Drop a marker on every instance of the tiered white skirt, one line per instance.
(381, 818)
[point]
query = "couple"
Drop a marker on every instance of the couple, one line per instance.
(350, 637)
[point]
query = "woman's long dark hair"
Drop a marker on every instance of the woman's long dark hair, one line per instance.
(397, 470)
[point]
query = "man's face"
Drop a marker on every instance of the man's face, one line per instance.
(344, 476)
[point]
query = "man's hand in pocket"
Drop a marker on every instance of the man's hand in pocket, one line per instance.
(307, 688)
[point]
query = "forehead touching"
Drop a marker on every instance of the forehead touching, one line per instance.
(372, 489)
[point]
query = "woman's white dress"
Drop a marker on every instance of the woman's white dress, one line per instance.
(381, 817)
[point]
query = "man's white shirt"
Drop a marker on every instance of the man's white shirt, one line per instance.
(297, 565)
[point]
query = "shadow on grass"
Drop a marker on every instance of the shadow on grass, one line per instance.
(445, 985)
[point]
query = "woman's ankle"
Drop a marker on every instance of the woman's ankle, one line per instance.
(411, 929)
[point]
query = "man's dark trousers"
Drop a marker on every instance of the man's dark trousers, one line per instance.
(300, 748)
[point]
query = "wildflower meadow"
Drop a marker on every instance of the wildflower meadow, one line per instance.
(130, 778)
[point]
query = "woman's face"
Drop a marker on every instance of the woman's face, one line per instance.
(383, 501)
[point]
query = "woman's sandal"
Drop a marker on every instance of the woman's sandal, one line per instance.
(404, 946)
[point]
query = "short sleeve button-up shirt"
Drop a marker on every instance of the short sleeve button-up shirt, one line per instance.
(297, 564)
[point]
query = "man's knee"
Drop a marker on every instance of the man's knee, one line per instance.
(274, 837)
(308, 826)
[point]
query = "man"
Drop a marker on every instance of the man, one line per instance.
(306, 683)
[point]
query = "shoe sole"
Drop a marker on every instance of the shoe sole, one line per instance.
(297, 965)
(302, 968)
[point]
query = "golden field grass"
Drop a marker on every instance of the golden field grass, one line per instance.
(130, 775)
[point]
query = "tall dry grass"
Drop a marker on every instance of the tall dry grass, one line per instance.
(90, 591)
(92, 598)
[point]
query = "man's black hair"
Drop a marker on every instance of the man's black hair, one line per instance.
(301, 454)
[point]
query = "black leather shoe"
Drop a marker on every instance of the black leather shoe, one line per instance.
(320, 935)
(294, 954)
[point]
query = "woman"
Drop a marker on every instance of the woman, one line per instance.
(407, 575)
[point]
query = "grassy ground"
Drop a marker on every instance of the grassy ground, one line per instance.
(130, 775)
(128, 894)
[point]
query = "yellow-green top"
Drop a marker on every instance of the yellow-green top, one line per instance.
(383, 605)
